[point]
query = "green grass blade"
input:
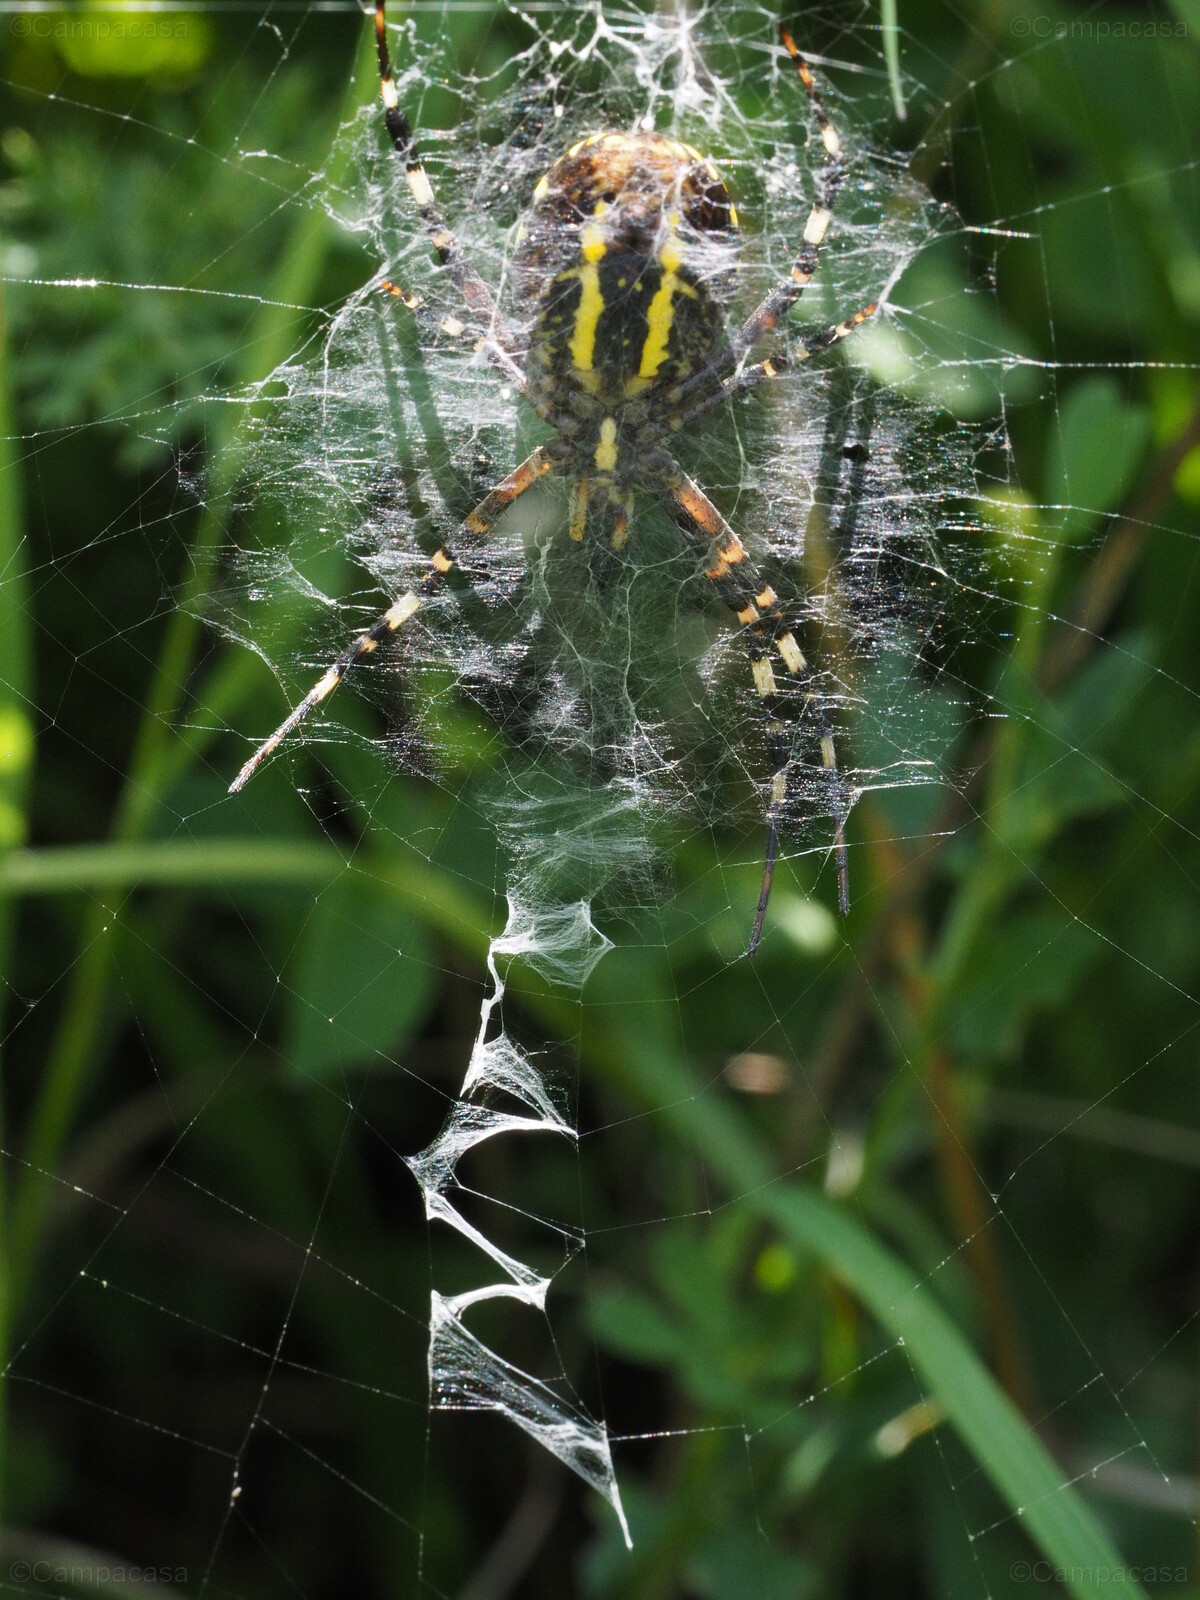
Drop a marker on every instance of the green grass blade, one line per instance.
(16, 732)
(1052, 1512)
(890, 28)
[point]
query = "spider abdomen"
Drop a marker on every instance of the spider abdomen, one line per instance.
(623, 267)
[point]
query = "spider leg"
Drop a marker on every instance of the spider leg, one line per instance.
(447, 328)
(776, 305)
(765, 634)
(829, 182)
(477, 525)
(772, 366)
(480, 303)
(452, 330)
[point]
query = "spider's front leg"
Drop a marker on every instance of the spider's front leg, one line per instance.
(476, 526)
(776, 305)
(766, 634)
(483, 315)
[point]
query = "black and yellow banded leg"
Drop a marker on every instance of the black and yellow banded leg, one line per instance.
(454, 331)
(581, 492)
(477, 524)
(829, 182)
(775, 365)
(766, 634)
(776, 305)
(449, 328)
(480, 304)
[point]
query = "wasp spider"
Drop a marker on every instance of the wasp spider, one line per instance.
(621, 274)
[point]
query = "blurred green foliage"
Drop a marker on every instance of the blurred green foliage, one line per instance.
(972, 1125)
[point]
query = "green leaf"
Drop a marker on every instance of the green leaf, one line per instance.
(1057, 782)
(631, 1324)
(742, 1565)
(1024, 964)
(100, 41)
(1095, 452)
(1097, 707)
(942, 364)
(361, 982)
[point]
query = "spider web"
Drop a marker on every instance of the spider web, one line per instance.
(557, 838)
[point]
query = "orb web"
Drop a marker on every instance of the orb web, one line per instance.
(623, 706)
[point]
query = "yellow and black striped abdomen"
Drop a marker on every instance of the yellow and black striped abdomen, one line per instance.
(615, 330)
(622, 269)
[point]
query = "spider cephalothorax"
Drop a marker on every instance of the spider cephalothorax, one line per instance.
(623, 275)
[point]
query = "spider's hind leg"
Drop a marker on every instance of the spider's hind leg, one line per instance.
(768, 638)
(786, 704)
(781, 745)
